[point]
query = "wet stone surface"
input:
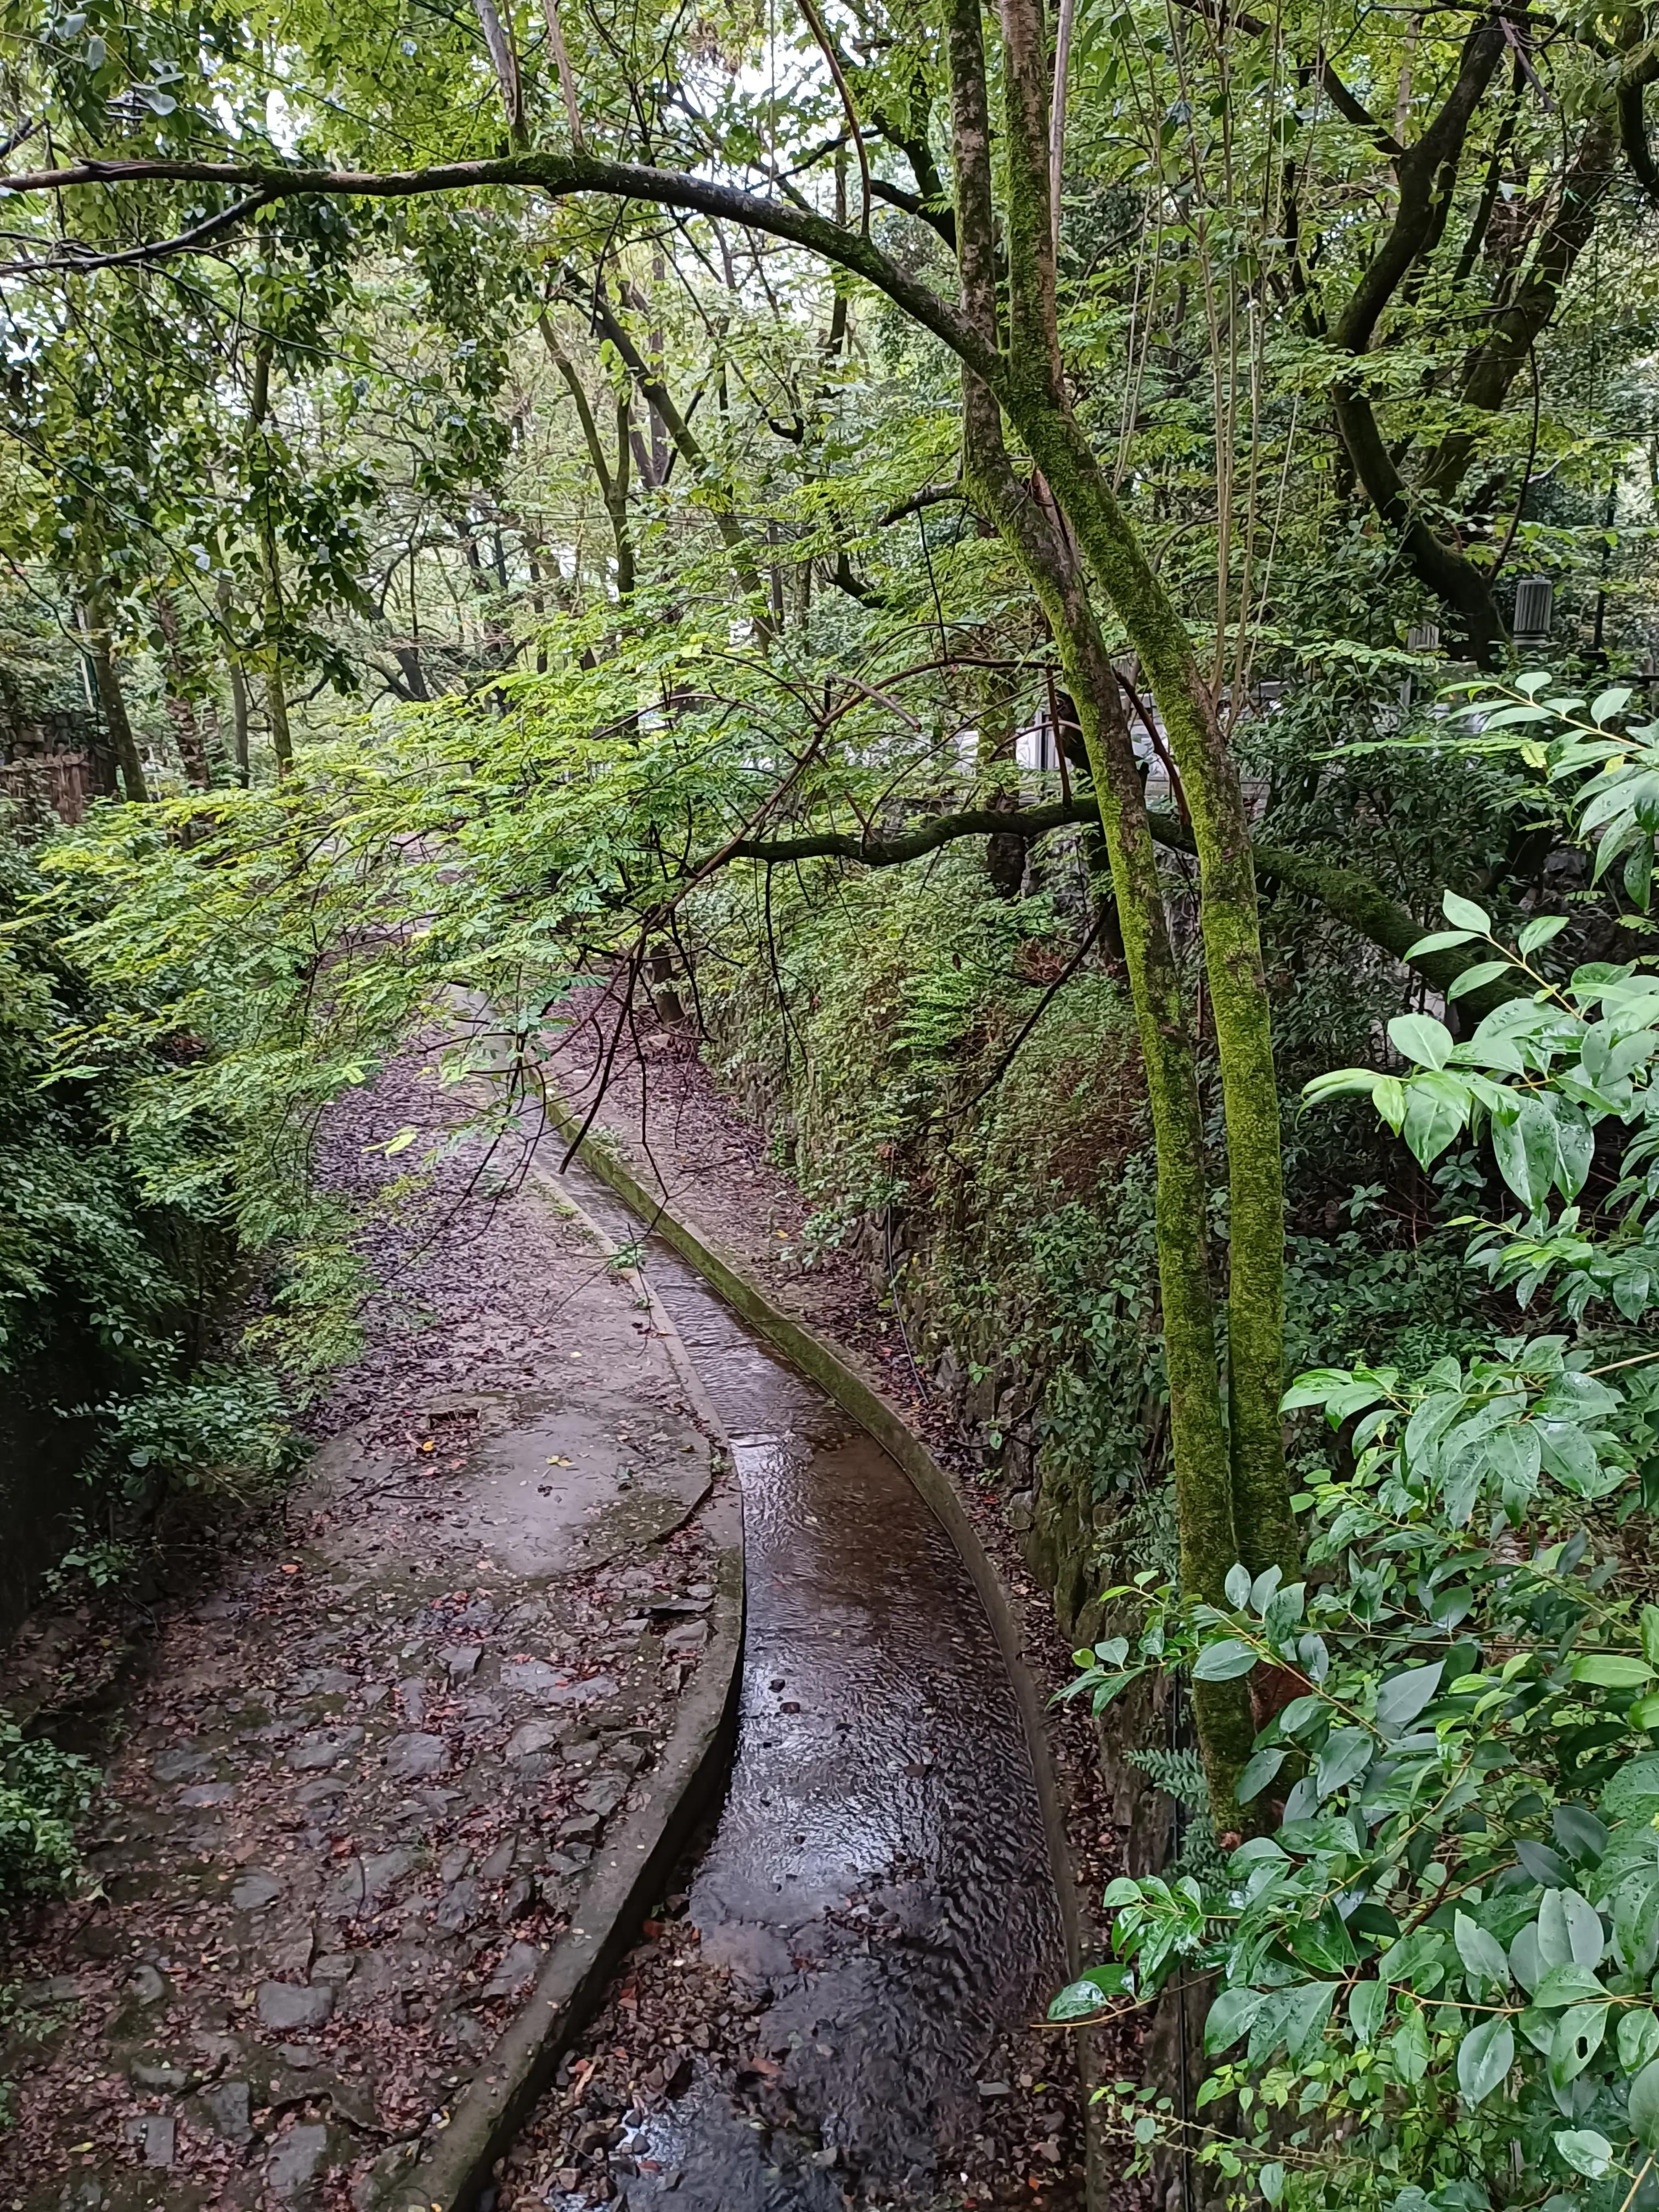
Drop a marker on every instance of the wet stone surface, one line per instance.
(720, 1167)
(865, 1937)
(359, 1784)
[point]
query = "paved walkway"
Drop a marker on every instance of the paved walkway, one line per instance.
(359, 1785)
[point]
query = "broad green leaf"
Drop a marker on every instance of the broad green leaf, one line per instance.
(1300, 1713)
(1223, 1661)
(1084, 1997)
(1636, 1920)
(1437, 1110)
(1612, 1670)
(1638, 873)
(1429, 1420)
(1259, 1770)
(1076, 2001)
(1579, 1831)
(1464, 914)
(1484, 2057)
(1389, 1097)
(1508, 717)
(1279, 1603)
(1570, 1930)
(1570, 1457)
(1262, 1586)
(1633, 1792)
(1416, 1961)
(1575, 1143)
(1338, 1084)
(1576, 2039)
(1113, 1979)
(1347, 1752)
(1268, 2030)
(1325, 1943)
(1237, 1585)
(1543, 1864)
(1368, 2008)
(1402, 1697)
(1642, 2106)
(1476, 978)
(1584, 2151)
(1637, 2040)
(1566, 1985)
(1513, 1455)
(1421, 1038)
(1525, 1963)
(1408, 2048)
(1482, 1954)
(1541, 931)
(1526, 1152)
(1439, 940)
(1315, 1387)
(1307, 2009)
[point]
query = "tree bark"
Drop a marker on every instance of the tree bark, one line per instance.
(181, 707)
(1514, 332)
(281, 736)
(613, 483)
(1427, 175)
(107, 680)
(282, 741)
(689, 447)
(238, 721)
(1036, 402)
(1203, 1477)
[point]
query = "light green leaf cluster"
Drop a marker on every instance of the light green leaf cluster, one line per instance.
(1537, 1078)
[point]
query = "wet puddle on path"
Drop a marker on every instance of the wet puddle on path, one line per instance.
(878, 1883)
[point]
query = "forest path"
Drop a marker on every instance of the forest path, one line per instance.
(839, 1996)
(355, 1792)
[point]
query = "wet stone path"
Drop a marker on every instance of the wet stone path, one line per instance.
(833, 2010)
(360, 1783)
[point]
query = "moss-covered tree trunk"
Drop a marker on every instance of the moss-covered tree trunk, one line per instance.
(1199, 1439)
(1232, 953)
(1035, 398)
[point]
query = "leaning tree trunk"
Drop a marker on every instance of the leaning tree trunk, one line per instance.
(1198, 1432)
(1036, 399)
(1263, 1522)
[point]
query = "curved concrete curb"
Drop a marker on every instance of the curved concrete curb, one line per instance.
(630, 1872)
(834, 1374)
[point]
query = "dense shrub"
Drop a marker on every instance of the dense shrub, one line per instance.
(121, 1239)
(43, 1793)
(1438, 1952)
